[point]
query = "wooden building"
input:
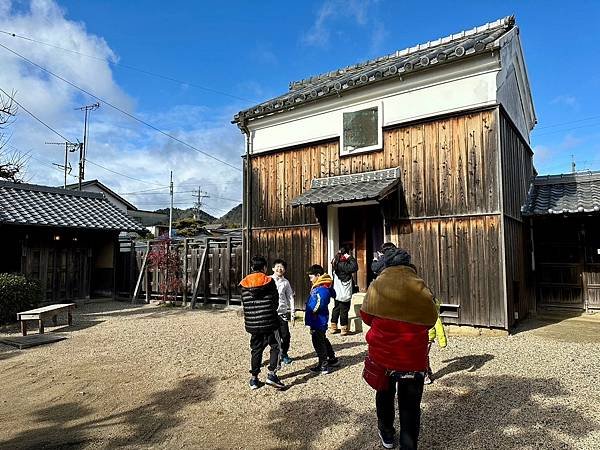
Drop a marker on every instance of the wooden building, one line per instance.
(564, 211)
(68, 240)
(427, 147)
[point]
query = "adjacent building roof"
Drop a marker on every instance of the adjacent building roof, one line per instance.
(564, 194)
(430, 54)
(28, 204)
(102, 187)
(349, 188)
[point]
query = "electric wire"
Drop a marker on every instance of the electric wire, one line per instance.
(34, 116)
(126, 66)
(120, 110)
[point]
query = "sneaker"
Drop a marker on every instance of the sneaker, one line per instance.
(273, 380)
(320, 369)
(387, 439)
(253, 383)
(333, 362)
(285, 360)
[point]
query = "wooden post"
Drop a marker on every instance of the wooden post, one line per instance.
(185, 270)
(139, 280)
(207, 278)
(41, 325)
(69, 317)
(145, 272)
(116, 253)
(132, 261)
(24, 327)
(198, 276)
(227, 270)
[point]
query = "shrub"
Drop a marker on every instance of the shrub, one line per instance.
(17, 294)
(165, 258)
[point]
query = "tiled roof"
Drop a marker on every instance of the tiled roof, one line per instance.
(349, 188)
(27, 204)
(564, 194)
(430, 54)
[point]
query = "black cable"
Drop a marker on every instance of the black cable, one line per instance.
(120, 110)
(35, 117)
(119, 173)
(164, 77)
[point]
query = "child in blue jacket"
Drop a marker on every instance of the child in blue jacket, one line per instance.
(317, 318)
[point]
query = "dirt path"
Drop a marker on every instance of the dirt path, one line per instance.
(148, 377)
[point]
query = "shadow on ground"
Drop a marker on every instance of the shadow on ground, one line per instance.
(500, 412)
(71, 425)
(469, 363)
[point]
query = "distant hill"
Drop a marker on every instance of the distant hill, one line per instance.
(233, 219)
(189, 212)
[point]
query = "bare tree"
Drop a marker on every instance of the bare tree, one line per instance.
(12, 163)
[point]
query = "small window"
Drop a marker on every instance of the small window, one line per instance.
(361, 130)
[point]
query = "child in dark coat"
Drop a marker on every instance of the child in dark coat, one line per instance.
(260, 300)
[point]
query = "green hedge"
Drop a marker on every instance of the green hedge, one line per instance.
(17, 294)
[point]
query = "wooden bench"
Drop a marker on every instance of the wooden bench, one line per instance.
(44, 312)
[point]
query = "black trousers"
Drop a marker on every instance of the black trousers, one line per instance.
(410, 392)
(340, 311)
(258, 343)
(322, 346)
(284, 333)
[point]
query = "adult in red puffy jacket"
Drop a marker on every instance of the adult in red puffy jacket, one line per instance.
(399, 308)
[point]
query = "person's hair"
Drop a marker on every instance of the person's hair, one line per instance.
(346, 248)
(387, 246)
(316, 269)
(258, 263)
(280, 261)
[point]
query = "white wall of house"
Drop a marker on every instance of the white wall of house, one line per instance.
(483, 80)
(111, 198)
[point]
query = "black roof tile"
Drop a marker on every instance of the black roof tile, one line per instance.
(28, 204)
(349, 188)
(429, 54)
(564, 194)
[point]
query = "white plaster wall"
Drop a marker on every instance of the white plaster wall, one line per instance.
(93, 188)
(451, 88)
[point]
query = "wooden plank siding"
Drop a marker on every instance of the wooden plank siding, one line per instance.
(517, 174)
(449, 169)
(460, 260)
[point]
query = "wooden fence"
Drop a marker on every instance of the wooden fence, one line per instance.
(211, 271)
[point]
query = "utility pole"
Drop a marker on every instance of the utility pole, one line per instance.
(573, 163)
(198, 206)
(171, 207)
(83, 146)
(69, 147)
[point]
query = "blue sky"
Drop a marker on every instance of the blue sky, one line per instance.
(249, 52)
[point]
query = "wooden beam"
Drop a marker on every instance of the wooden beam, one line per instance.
(199, 275)
(139, 280)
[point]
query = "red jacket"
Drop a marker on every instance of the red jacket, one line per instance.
(397, 345)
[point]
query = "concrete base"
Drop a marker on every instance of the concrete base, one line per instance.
(464, 330)
(354, 321)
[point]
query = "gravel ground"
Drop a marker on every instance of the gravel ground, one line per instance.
(157, 377)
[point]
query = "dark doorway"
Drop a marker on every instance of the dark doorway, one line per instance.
(361, 228)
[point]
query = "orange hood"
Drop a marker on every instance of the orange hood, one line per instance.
(254, 280)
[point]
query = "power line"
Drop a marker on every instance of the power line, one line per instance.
(119, 173)
(125, 66)
(67, 140)
(35, 117)
(121, 110)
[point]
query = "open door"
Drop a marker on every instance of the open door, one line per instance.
(361, 228)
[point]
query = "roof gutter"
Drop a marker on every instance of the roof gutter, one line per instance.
(246, 204)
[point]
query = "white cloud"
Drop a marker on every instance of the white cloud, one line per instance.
(570, 142)
(116, 142)
(334, 12)
(566, 100)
